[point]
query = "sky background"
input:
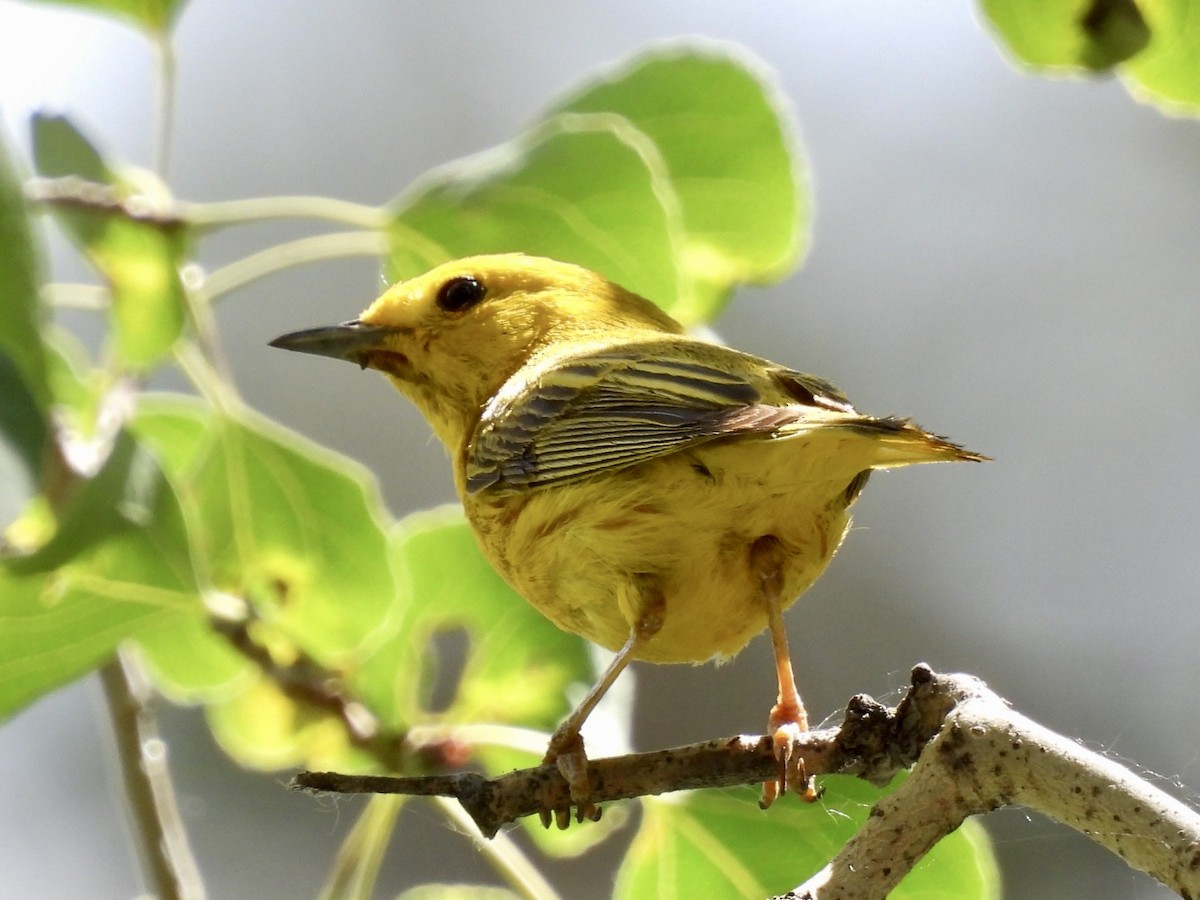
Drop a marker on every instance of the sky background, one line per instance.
(1010, 260)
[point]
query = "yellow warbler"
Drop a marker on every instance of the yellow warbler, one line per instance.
(662, 496)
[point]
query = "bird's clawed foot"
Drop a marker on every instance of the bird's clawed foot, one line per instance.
(566, 752)
(786, 724)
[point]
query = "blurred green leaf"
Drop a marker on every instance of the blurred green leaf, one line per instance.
(264, 727)
(518, 666)
(1167, 73)
(118, 564)
(587, 189)
(114, 215)
(720, 124)
(676, 175)
(719, 843)
(294, 529)
(519, 669)
(1069, 34)
(63, 151)
(190, 662)
(23, 380)
(154, 16)
(1155, 47)
(122, 494)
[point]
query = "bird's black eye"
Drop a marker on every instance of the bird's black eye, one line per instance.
(460, 293)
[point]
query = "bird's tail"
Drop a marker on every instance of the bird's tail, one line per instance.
(901, 443)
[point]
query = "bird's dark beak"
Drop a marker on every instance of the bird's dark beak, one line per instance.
(351, 341)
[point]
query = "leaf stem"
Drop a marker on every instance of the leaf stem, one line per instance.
(65, 295)
(164, 112)
(356, 868)
(502, 853)
(166, 856)
(283, 256)
(258, 209)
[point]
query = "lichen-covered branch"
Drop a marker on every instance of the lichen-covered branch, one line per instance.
(986, 756)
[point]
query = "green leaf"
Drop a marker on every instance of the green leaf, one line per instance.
(154, 16)
(118, 564)
(264, 727)
(23, 379)
(1155, 47)
(189, 662)
(586, 189)
(719, 843)
(1069, 34)
(720, 124)
(294, 529)
(675, 175)
(518, 667)
(116, 219)
(1168, 72)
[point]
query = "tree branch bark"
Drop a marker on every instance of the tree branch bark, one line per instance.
(968, 751)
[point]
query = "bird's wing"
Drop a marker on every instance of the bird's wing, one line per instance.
(611, 408)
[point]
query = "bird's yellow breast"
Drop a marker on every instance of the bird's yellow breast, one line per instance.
(587, 554)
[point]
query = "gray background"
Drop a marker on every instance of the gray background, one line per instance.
(1013, 261)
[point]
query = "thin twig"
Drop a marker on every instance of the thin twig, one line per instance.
(169, 864)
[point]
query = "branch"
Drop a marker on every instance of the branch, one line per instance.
(986, 756)
(166, 855)
(969, 753)
(873, 743)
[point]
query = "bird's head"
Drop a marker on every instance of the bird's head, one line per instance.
(450, 338)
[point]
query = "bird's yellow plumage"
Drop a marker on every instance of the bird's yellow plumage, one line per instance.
(662, 496)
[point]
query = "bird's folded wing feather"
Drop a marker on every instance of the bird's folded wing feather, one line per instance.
(611, 408)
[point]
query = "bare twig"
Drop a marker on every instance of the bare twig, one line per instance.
(862, 746)
(166, 855)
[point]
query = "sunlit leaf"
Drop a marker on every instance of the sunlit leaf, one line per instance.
(1069, 34)
(720, 125)
(676, 175)
(292, 528)
(518, 665)
(265, 727)
(292, 537)
(719, 843)
(1154, 47)
(116, 217)
(118, 564)
(588, 189)
(1167, 73)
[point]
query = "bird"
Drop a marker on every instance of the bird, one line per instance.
(654, 492)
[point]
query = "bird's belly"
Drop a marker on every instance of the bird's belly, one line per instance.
(588, 554)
